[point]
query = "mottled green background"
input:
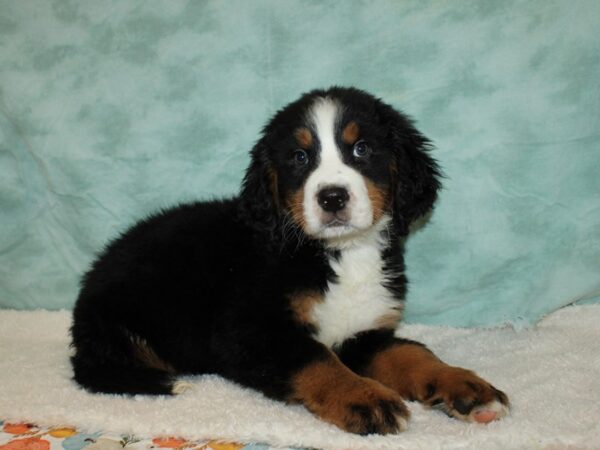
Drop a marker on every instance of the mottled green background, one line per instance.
(112, 109)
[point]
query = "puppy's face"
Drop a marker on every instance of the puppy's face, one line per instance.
(333, 169)
(336, 162)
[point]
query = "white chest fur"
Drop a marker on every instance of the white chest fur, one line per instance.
(358, 299)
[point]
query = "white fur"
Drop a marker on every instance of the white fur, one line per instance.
(357, 300)
(331, 171)
(179, 387)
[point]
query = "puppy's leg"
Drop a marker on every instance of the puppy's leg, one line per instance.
(416, 373)
(287, 364)
(354, 403)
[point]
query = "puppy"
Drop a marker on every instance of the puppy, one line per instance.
(293, 288)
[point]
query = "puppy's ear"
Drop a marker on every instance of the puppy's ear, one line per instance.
(259, 194)
(417, 175)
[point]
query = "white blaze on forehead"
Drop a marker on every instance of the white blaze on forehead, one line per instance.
(332, 171)
(324, 115)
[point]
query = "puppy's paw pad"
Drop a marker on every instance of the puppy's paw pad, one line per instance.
(489, 412)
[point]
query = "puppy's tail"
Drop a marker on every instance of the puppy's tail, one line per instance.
(111, 360)
(114, 379)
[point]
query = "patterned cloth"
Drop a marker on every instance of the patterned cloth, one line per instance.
(25, 436)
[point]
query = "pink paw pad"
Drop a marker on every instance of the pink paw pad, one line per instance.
(484, 416)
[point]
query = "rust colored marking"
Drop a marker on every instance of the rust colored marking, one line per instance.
(302, 305)
(147, 356)
(405, 368)
(304, 137)
(273, 185)
(350, 133)
(295, 203)
(417, 374)
(339, 396)
(379, 197)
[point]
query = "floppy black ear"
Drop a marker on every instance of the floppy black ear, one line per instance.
(259, 196)
(417, 175)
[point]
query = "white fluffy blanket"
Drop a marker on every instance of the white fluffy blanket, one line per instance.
(550, 372)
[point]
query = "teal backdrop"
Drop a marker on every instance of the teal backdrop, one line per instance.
(113, 109)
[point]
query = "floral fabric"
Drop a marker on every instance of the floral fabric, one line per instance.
(25, 436)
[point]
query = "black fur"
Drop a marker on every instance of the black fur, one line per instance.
(206, 286)
(357, 353)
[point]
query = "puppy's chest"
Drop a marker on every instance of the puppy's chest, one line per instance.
(357, 300)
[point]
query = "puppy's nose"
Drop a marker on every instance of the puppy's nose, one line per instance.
(333, 198)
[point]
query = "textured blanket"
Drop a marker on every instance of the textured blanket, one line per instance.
(550, 373)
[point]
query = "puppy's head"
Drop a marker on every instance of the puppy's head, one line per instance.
(336, 162)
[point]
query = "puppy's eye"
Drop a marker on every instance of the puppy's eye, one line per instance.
(361, 150)
(300, 157)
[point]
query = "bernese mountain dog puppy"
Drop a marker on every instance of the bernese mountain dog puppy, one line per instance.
(293, 288)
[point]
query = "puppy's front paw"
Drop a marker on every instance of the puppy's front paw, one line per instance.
(356, 404)
(367, 407)
(463, 395)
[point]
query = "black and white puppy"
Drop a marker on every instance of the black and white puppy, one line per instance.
(293, 288)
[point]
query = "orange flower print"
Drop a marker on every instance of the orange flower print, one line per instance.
(19, 428)
(33, 443)
(170, 442)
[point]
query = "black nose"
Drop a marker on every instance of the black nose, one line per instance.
(333, 199)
